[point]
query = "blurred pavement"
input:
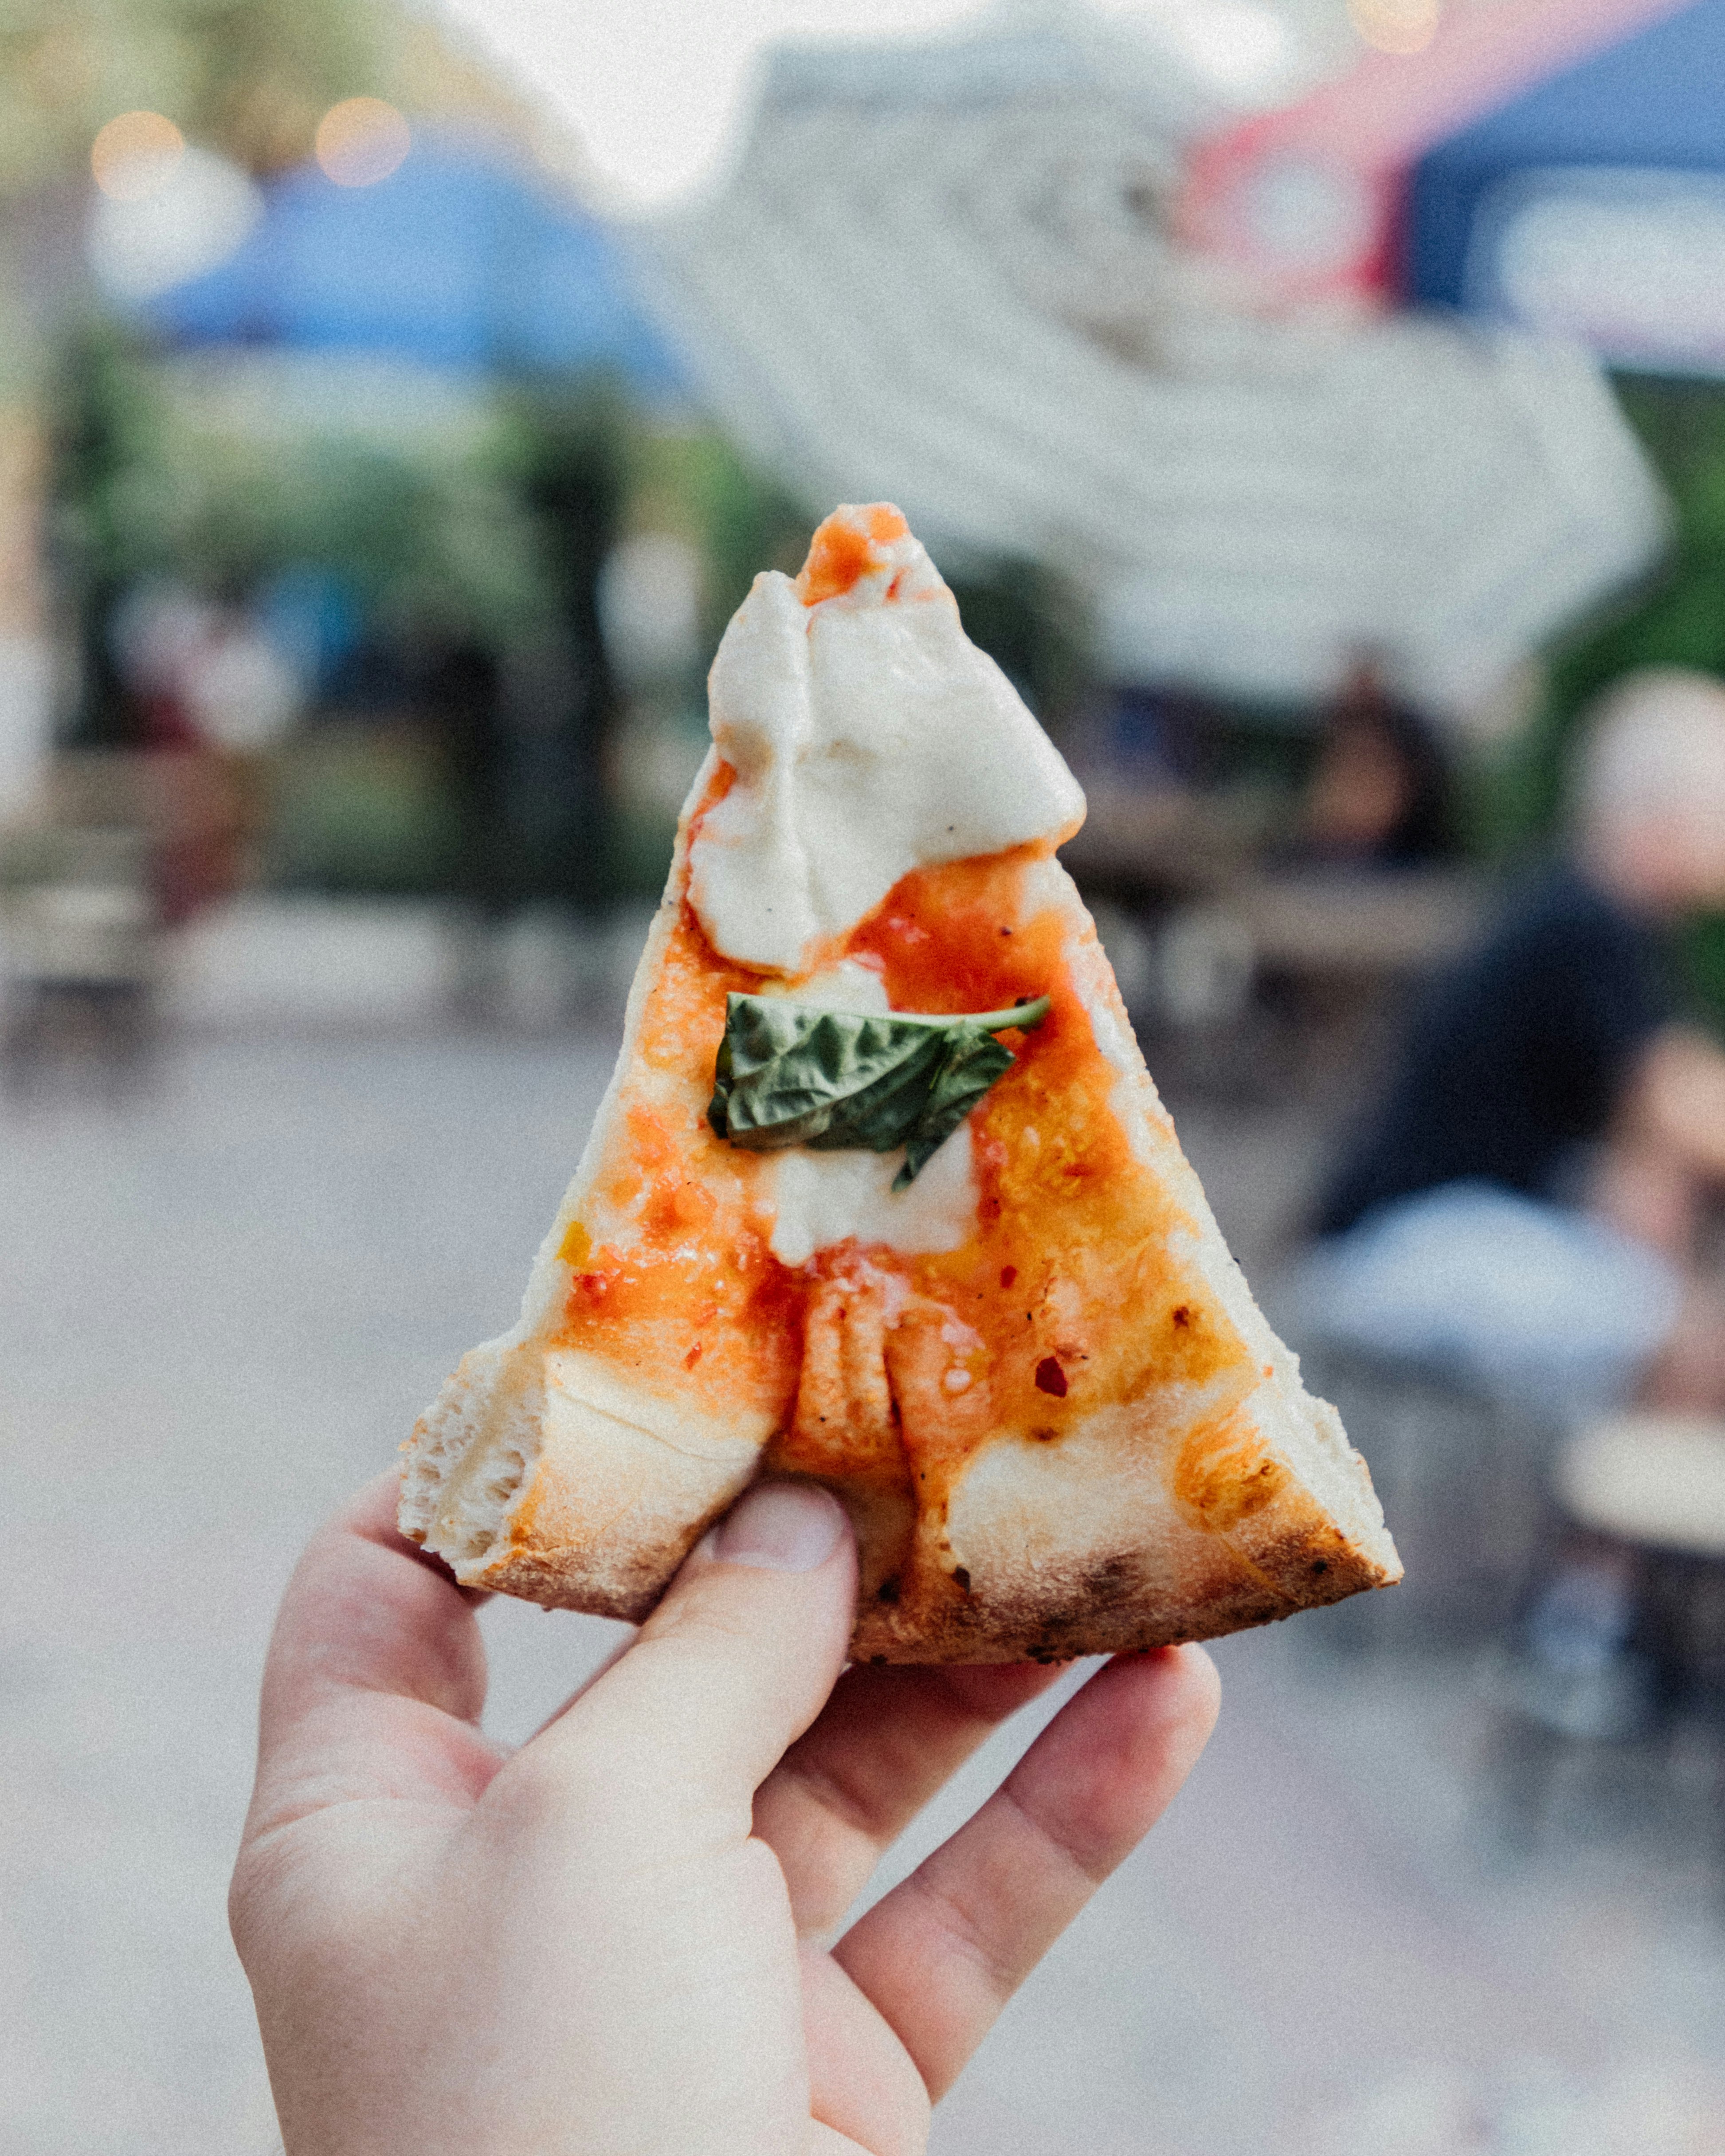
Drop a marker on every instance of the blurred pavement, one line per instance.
(221, 1304)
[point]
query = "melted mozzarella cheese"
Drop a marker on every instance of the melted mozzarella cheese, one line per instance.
(868, 736)
(820, 1198)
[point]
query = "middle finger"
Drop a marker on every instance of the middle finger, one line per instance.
(886, 1743)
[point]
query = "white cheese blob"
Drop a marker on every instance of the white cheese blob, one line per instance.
(869, 737)
(819, 1199)
(848, 986)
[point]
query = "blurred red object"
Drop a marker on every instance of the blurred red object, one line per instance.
(196, 807)
(1303, 202)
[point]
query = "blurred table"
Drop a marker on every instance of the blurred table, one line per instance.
(1651, 1481)
(1623, 1631)
(1166, 841)
(1352, 922)
(1185, 846)
(1333, 950)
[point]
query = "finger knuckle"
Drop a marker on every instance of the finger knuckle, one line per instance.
(1055, 1847)
(966, 1934)
(699, 1622)
(546, 1787)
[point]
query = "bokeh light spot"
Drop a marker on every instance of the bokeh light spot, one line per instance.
(362, 141)
(1396, 26)
(135, 155)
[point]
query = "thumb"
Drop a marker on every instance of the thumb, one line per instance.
(735, 1662)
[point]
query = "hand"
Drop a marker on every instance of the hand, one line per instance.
(609, 1942)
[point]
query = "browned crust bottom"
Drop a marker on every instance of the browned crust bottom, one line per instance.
(1116, 1609)
(974, 1631)
(1122, 1614)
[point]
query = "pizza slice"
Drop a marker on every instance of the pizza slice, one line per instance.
(882, 1195)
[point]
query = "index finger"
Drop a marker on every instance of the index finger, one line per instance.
(375, 1674)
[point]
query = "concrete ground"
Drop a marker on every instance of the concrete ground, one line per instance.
(222, 1301)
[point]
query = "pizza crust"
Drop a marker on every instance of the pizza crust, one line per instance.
(1133, 1532)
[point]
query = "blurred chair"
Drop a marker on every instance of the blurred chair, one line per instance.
(1619, 1638)
(1639, 1510)
(1462, 1475)
(80, 938)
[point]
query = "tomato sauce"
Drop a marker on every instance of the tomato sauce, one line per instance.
(838, 554)
(1069, 1281)
(1065, 1299)
(696, 1270)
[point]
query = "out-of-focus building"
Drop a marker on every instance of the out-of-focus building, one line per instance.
(328, 233)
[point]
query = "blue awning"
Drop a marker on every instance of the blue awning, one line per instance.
(455, 260)
(1593, 206)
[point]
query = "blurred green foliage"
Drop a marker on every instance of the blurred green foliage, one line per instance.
(249, 78)
(362, 811)
(467, 523)
(161, 476)
(160, 473)
(1675, 617)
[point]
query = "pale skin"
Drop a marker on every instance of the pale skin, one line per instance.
(1664, 1157)
(1667, 1148)
(1664, 1160)
(615, 1940)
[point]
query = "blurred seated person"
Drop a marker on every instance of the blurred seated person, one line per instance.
(1522, 1204)
(1378, 796)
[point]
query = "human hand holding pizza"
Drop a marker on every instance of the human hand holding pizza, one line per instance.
(613, 1938)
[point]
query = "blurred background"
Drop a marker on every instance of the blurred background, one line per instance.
(1319, 411)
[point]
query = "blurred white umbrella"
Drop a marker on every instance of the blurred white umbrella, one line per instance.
(942, 275)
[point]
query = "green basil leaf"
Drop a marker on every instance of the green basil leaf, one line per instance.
(972, 1062)
(788, 1074)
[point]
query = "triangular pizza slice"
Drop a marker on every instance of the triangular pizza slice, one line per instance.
(882, 1195)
